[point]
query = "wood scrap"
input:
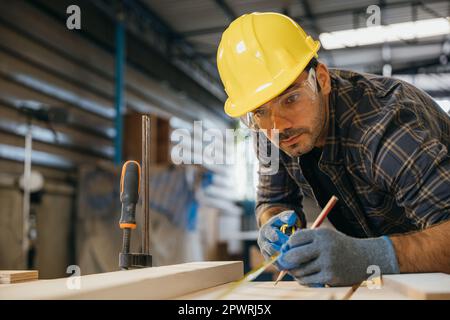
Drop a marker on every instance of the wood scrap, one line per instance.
(433, 286)
(165, 282)
(383, 293)
(17, 276)
(285, 290)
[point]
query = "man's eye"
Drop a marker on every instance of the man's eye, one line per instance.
(292, 99)
(261, 112)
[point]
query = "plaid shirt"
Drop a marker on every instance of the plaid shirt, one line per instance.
(387, 153)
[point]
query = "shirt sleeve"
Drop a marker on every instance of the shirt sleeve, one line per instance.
(406, 157)
(275, 186)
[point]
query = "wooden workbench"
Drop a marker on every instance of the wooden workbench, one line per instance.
(265, 290)
(210, 280)
(394, 287)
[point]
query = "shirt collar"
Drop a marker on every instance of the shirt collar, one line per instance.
(332, 147)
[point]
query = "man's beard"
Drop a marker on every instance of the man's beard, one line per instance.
(313, 133)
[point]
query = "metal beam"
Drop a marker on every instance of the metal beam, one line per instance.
(368, 58)
(430, 65)
(433, 12)
(76, 121)
(319, 15)
(310, 16)
(227, 9)
(146, 50)
(14, 153)
(316, 29)
(176, 42)
(119, 87)
(439, 93)
(62, 139)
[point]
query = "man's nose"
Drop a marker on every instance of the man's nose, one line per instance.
(279, 121)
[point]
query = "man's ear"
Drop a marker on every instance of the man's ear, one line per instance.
(323, 77)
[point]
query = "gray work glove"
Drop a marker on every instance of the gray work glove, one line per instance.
(270, 238)
(328, 257)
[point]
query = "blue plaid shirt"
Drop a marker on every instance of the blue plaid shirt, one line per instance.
(387, 154)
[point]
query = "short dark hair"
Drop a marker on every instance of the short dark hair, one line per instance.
(312, 64)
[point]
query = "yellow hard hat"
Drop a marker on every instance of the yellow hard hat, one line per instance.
(259, 56)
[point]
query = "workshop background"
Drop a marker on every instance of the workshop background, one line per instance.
(155, 57)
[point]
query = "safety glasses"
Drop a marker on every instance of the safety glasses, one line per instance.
(297, 95)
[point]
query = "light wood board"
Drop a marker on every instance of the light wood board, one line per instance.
(420, 285)
(16, 276)
(284, 290)
(150, 283)
(383, 293)
(393, 287)
(209, 280)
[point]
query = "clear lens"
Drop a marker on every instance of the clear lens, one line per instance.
(301, 94)
(248, 121)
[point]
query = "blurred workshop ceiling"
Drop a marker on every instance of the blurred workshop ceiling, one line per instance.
(201, 23)
(186, 34)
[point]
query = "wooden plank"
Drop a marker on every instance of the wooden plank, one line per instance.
(395, 287)
(434, 286)
(132, 134)
(163, 132)
(54, 224)
(11, 221)
(150, 283)
(285, 290)
(16, 276)
(383, 293)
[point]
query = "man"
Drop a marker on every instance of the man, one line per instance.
(379, 144)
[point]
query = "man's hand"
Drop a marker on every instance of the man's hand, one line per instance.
(270, 237)
(328, 257)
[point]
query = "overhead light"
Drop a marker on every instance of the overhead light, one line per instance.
(444, 104)
(388, 33)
